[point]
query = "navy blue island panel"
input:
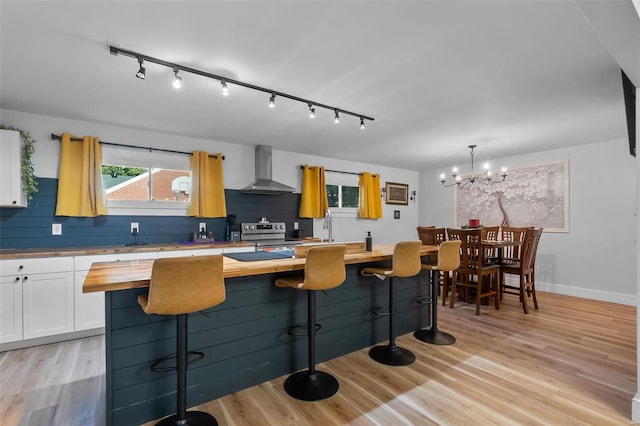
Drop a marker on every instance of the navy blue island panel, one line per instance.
(245, 339)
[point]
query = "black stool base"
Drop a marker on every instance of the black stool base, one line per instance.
(311, 387)
(196, 418)
(435, 337)
(392, 356)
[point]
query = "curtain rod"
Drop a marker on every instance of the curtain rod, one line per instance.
(338, 171)
(57, 137)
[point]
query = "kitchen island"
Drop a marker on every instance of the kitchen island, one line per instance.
(244, 339)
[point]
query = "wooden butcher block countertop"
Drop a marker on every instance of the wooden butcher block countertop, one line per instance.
(97, 250)
(110, 276)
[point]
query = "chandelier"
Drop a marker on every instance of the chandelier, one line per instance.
(484, 178)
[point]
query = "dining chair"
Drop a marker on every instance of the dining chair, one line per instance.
(524, 268)
(475, 272)
(432, 236)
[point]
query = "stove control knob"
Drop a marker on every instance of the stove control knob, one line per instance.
(251, 227)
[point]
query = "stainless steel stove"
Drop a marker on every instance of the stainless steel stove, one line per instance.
(266, 234)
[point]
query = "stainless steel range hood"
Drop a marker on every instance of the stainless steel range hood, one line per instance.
(264, 184)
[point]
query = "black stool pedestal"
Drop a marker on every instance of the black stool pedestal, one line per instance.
(391, 354)
(308, 386)
(433, 335)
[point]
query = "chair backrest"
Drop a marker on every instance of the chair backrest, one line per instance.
(406, 259)
(530, 248)
(471, 253)
(431, 236)
(449, 255)
(510, 233)
(490, 233)
(182, 285)
(324, 267)
(424, 234)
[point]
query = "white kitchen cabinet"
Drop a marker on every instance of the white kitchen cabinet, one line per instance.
(238, 249)
(46, 301)
(89, 307)
(11, 194)
(10, 308)
(194, 252)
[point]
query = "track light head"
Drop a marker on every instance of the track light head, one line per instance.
(141, 72)
(272, 101)
(177, 82)
(337, 117)
(225, 89)
(312, 111)
(362, 123)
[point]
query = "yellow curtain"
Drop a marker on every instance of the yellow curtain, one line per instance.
(207, 186)
(370, 200)
(80, 190)
(313, 202)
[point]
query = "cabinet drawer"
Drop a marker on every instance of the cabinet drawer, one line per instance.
(83, 263)
(36, 265)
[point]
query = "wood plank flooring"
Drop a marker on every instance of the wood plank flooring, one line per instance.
(573, 362)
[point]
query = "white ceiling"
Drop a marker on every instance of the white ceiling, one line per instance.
(512, 77)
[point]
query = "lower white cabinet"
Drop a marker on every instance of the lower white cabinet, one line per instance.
(89, 307)
(37, 298)
(10, 309)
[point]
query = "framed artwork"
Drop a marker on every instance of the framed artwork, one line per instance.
(530, 196)
(396, 193)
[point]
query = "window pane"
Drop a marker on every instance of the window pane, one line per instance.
(332, 195)
(170, 185)
(350, 196)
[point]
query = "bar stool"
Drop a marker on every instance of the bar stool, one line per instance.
(324, 268)
(406, 263)
(180, 286)
(448, 260)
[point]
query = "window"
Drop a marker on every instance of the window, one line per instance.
(145, 183)
(343, 196)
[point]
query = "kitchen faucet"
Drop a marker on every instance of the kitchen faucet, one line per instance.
(328, 224)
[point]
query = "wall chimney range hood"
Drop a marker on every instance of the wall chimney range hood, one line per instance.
(264, 184)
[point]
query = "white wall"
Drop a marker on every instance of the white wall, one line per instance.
(597, 257)
(238, 168)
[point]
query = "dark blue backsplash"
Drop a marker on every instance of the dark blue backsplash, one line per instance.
(31, 227)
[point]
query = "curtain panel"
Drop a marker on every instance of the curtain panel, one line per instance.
(370, 200)
(80, 188)
(314, 202)
(207, 186)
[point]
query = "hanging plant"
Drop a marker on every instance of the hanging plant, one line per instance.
(29, 181)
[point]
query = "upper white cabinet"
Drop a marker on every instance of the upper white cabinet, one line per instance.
(11, 194)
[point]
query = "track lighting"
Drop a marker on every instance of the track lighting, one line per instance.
(141, 72)
(177, 83)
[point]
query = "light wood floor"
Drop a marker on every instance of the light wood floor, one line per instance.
(573, 362)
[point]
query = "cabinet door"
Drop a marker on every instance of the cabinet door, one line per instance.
(11, 194)
(47, 304)
(10, 309)
(89, 307)
(195, 252)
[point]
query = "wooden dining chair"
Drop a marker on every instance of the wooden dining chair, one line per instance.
(475, 272)
(432, 236)
(524, 268)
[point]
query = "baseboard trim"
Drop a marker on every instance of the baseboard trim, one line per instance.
(604, 296)
(10, 346)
